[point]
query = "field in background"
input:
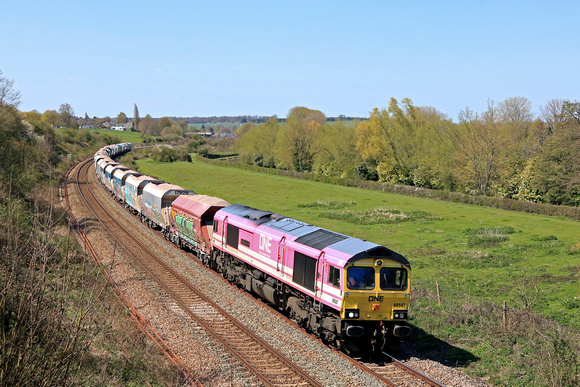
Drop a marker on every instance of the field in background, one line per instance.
(479, 256)
(488, 253)
(125, 136)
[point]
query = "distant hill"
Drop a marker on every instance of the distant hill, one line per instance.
(248, 118)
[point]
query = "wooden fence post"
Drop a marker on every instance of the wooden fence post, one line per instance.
(438, 293)
(504, 316)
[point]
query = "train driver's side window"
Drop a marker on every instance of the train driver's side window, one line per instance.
(334, 276)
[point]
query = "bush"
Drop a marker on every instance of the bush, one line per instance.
(168, 154)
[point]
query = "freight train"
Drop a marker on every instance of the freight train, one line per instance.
(351, 293)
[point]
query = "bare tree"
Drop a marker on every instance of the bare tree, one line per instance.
(8, 96)
(516, 109)
(65, 115)
(481, 141)
(553, 113)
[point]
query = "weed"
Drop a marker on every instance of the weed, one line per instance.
(544, 238)
(332, 204)
(488, 236)
(379, 215)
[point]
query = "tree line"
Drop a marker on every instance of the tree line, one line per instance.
(504, 151)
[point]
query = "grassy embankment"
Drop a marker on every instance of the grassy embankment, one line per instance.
(480, 257)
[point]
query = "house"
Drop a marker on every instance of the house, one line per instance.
(122, 127)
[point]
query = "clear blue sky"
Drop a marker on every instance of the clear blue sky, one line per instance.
(204, 58)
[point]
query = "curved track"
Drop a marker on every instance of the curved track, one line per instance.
(263, 361)
(395, 373)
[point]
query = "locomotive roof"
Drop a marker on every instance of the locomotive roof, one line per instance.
(316, 237)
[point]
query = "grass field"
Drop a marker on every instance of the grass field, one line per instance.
(488, 253)
(125, 136)
(120, 136)
(479, 256)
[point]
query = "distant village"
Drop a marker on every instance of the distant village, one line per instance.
(112, 125)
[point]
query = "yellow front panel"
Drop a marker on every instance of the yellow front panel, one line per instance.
(374, 303)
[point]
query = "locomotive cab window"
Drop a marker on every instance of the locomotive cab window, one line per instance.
(334, 276)
(215, 225)
(360, 278)
(393, 278)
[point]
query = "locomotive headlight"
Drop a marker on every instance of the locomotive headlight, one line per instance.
(400, 314)
(351, 313)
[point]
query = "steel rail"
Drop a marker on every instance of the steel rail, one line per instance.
(182, 282)
(135, 315)
(414, 372)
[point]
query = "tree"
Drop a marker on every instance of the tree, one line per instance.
(335, 150)
(165, 122)
(553, 114)
(50, 117)
(387, 141)
(571, 110)
(172, 133)
(517, 124)
(480, 144)
(150, 126)
(540, 132)
(8, 95)
(294, 148)
(122, 118)
(136, 118)
(407, 144)
(65, 115)
(437, 138)
(245, 128)
(516, 109)
(555, 171)
(257, 144)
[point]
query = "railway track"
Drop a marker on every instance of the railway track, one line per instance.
(258, 357)
(395, 373)
(267, 364)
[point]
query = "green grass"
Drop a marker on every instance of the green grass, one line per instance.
(125, 136)
(483, 250)
(121, 136)
(479, 256)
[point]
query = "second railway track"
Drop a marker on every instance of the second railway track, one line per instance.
(263, 361)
